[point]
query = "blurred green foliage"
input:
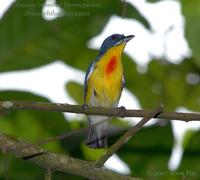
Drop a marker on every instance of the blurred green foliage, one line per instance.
(28, 41)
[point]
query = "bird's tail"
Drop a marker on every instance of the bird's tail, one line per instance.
(97, 135)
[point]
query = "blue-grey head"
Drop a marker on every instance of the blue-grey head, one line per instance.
(114, 40)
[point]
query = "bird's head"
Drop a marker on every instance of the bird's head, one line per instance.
(114, 40)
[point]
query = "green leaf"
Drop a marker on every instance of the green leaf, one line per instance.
(76, 91)
(92, 154)
(192, 15)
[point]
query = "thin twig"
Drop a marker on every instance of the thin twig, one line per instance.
(60, 137)
(123, 8)
(57, 107)
(123, 139)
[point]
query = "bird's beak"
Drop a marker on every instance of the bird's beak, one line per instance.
(125, 40)
(128, 38)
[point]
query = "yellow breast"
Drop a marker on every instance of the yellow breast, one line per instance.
(105, 82)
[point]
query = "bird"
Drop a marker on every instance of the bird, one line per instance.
(103, 85)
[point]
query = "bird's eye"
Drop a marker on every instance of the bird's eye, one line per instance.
(114, 37)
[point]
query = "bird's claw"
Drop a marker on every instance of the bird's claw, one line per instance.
(122, 112)
(84, 107)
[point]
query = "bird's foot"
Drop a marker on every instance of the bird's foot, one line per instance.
(122, 112)
(84, 107)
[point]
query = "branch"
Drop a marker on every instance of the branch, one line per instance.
(57, 162)
(57, 107)
(122, 140)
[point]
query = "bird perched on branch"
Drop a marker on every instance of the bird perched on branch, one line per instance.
(103, 85)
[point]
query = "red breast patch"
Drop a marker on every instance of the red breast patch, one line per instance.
(111, 65)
